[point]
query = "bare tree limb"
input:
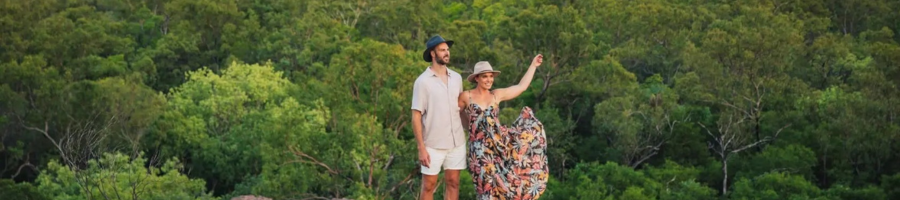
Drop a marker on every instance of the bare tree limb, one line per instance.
(306, 158)
(27, 164)
(56, 144)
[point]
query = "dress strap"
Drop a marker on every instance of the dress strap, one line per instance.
(493, 99)
(469, 104)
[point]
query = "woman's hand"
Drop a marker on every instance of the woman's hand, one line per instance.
(537, 60)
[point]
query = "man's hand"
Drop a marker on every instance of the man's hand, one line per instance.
(424, 159)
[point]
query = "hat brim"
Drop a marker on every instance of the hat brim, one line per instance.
(471, 77)
(427, 56)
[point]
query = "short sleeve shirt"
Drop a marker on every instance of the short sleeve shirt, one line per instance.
(442, 127)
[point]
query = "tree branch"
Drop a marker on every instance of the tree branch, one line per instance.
(62, 153)
(310, 160)
(27, 164)
(408, 176)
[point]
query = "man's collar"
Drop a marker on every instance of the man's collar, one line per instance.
(431, 73)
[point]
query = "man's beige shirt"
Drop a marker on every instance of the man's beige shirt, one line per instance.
(440, 112)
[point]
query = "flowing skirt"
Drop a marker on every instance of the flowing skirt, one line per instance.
(508, 162)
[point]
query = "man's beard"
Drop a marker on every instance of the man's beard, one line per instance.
(441, 61)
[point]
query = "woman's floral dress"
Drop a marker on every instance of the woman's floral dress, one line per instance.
(506, 162)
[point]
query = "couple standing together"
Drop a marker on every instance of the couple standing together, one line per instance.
(506, 162)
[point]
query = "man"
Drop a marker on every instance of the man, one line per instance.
(436, 123)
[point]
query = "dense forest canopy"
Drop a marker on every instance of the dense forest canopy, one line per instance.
(309, 99)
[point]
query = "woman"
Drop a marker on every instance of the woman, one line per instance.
(505, 162)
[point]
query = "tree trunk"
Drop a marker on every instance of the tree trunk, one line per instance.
(756, 131)
(540, 96)
(724, 176)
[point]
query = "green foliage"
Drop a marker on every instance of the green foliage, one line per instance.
(638, 122)
(561, 140)
(775, 186)
(24, 191)
(310, 99)
(613, 181)
(620, 181)
(117, 176)
(688, 190)
(671, 172)
(792, 159)
(843, 192)
(890, 185)
(212, 119)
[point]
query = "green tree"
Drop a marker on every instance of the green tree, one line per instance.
(558, 33)
(843, 192)
(412, 22)
(640, 122)
(741, 61)
(84, 43)
(889, 184)
(31, 93)
(192, 37)
(647, 37)
(846, 138)
(616, 181)
(25, 191)
(213, 118)
(591, 84)
(116, 176)
(792, 159)
(775, 186)
(679, 182)
(363, 153)
(688, 190)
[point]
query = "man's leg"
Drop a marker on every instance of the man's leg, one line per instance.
(451, 179)
(430, 173)
(429, 183)
(453, 164)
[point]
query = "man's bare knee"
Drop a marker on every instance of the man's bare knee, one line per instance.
(452, 180)
(429, 183)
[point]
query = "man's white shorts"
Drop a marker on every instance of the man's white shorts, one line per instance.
(450, 159)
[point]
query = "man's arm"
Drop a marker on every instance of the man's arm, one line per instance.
(419, 103)
(420, 141)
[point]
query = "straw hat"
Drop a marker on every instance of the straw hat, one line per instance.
(481, 68)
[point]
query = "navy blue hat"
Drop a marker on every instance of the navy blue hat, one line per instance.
(433, 42)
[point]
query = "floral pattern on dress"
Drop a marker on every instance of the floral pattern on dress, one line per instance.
(507, 162)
